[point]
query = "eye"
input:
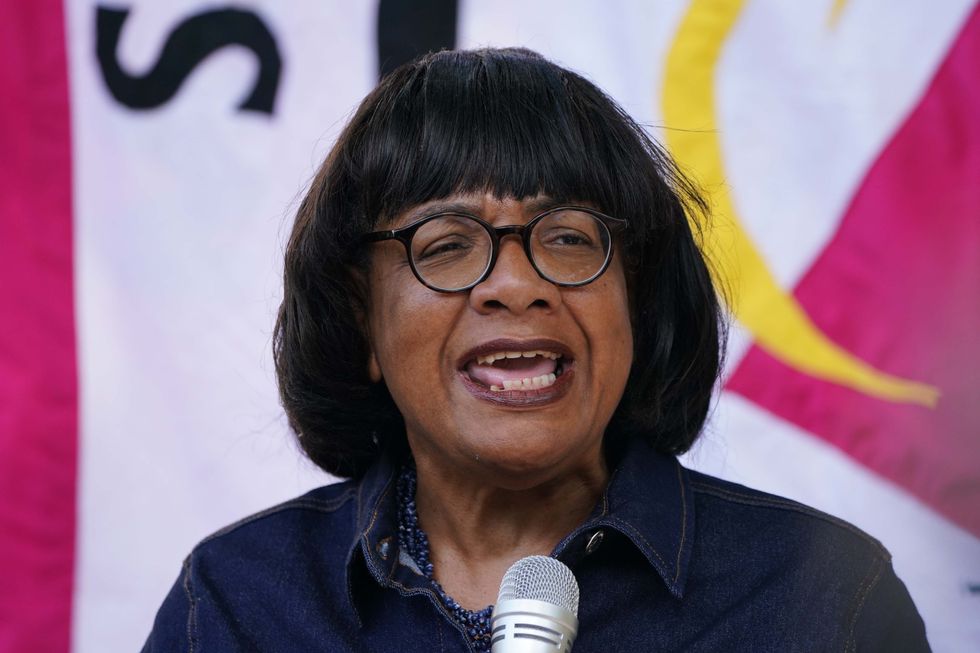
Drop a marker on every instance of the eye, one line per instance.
(569, 231)
(447, 246)
(570, 237)
(447, 238)
(559, 237)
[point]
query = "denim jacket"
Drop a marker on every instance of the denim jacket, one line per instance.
(669, 560)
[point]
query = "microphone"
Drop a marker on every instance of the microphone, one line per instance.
(536, 609)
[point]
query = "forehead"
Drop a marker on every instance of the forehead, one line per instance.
(493, 209)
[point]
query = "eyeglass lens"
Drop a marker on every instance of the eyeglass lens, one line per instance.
(453, 251)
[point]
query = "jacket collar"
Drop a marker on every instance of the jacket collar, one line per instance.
(375, 536)
(648, 500)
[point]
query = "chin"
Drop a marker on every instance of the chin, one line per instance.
(524, 459)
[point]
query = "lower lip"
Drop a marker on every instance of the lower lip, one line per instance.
(520, 398)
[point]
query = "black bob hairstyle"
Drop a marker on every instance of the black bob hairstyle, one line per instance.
(511, 123)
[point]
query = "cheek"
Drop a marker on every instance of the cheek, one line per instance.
(396, 328)
(613, 321)
(409, 328)
(623, 339)
(611, 334)
(391, 322)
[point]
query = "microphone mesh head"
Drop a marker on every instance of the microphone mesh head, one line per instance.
(543, 579)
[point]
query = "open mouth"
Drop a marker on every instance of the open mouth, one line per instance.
(521, 370)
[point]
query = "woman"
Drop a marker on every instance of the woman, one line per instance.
(497, 324)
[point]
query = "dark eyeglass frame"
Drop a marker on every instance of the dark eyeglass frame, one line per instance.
(406, 233)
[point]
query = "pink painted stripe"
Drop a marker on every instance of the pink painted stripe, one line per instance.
(899, 286)
(38, 385)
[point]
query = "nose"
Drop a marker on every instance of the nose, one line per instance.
(514, 285)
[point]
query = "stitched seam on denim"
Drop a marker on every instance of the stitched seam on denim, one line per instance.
(594, 522)
(863, 592)
(377, 507)
(363, 536)
(605, 493)
(680, 546)
(792, 506)
(358, 507)
(192, 606)
(408, 591)
(627, 527)
(350, 596)
(295, 504)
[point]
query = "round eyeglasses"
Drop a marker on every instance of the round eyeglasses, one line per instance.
(452, 252)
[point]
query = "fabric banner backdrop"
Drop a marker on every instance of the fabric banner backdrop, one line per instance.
(151, 158)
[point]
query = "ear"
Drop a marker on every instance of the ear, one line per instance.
(374, 370)
(360, 314)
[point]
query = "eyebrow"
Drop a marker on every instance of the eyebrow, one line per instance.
(420, 212)
(535, 206)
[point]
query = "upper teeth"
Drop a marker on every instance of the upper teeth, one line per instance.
(496, 356)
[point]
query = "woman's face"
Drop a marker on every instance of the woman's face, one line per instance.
(446, 357)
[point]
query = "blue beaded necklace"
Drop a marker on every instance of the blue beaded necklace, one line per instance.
(413, 540)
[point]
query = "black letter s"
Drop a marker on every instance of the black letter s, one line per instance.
(187, 45)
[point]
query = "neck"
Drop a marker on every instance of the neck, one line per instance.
(476, 529)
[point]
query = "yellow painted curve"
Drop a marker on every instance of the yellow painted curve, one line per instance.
(835, 12)
(773, 316)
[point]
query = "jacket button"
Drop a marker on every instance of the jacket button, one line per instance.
(383, 547)
(594, 542)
